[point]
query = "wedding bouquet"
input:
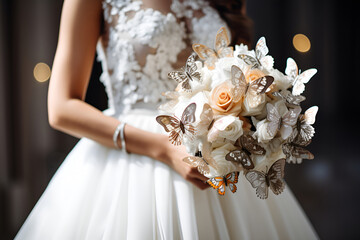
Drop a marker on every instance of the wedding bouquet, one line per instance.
(235, 113)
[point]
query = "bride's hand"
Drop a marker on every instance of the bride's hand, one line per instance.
(173, 156)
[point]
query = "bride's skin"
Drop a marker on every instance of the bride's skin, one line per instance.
(79, 33)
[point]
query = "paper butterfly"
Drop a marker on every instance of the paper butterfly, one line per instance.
(294, 149)
(251, 90)
(291, 100)
(220, 183)
(260, 59)
(249, 145)
(186, 74)
(304, 127)
(284, 124)
(202, 163)
(222, 49)
(176, 127)
(273, 178)
(298, 79)
(212, 125)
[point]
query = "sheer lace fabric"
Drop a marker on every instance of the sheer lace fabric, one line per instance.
(140, 45)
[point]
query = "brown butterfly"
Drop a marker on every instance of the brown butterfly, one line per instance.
(186, 74)
(176, 127)
(252, 90)
(290, 99)
(273, 178)
(284, 124)
(305, 121)
(248, 145)
(222, 49)
(294, 148)
(202, 163)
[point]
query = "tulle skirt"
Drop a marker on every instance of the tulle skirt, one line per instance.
(104, 193)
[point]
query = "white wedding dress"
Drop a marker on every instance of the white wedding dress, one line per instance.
(104, 193)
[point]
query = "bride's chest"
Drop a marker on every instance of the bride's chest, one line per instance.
(162, 22)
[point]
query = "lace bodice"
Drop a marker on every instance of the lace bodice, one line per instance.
(141, 44)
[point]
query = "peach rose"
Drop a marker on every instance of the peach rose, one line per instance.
(221, 99)
(253, 74)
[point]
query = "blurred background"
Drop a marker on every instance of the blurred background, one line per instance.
(326, 187)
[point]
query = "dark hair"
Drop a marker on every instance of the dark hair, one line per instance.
(234, 14)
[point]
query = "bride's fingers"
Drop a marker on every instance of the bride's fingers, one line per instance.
(198, 183)
(194, 173)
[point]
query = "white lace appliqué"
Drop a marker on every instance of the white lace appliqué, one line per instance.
(140, 45)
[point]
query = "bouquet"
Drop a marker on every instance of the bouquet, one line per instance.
(235, 113)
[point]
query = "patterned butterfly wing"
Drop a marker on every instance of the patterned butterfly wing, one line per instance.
(222, 42)
(251, 145)
(199, 163)
(241, 157)
(273, 117)
(191, 69)
(239, 81)
(188, 115)
(258, 181)
(231, 180)
(172, 125)
(296, 153)
(207, 54)
(187, 118)
(181, 77)
(275, 176)
(217, 183)
(169, 123)
(250, 60)
(206, 116)
(305, 130)
(261, 50)
(288, 121)
(256, 88)
(291, 100)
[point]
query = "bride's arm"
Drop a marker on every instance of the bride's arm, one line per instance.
(78, 36)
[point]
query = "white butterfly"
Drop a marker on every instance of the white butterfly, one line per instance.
(283, 123)
(260, 59)
(298, 79)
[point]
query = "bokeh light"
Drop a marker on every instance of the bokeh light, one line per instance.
(301, 43)
(42, 72)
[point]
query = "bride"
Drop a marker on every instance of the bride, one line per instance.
(124, 179)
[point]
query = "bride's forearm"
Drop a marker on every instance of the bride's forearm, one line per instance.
(80, 119)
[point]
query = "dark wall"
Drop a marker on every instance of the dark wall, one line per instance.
(326, 187)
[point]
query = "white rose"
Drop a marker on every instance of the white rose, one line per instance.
(223, 165)
(233, 131)
(262, 133)
(253, 111)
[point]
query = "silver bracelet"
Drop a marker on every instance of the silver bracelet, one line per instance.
(119, 129)
(122, 137)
